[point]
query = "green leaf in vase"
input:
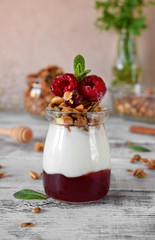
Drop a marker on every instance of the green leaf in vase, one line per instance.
(29, 194)
(138, 148)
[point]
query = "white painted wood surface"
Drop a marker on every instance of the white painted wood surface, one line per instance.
(128, 212)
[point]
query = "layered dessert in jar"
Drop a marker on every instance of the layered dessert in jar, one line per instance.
(76, 159)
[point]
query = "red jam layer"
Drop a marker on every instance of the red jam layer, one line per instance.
(89, 187)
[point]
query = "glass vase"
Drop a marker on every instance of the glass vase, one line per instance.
(126, 70)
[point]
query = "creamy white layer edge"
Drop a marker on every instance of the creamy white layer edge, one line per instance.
(77, 152)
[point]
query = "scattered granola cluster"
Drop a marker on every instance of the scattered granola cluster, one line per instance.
(29, 224)
(39, 146)
(26, 224)
(140, 173)
(2, 174)
(34, 175)
(36, 210)
(149, 163)
(37, 92)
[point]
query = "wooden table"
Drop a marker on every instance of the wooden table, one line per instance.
(128, 212)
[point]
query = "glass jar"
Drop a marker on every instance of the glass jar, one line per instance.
(76, 159)
(136, 105)
(37, 93)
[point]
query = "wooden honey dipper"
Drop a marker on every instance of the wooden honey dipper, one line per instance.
(20, 134)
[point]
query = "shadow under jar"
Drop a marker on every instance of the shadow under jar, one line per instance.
(76, 159)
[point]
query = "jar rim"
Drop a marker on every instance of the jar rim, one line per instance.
(106, 112)
(79, 119)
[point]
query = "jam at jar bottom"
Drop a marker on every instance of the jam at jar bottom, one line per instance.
(86, 188)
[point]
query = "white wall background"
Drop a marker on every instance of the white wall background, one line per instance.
(36, 33)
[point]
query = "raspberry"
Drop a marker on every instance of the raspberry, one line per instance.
(64, 82)
(92, 88)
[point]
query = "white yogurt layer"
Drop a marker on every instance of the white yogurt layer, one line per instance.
(77, 152)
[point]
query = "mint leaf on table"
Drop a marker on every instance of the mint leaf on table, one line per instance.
(29, 194)
(79, 68)
(138, 148)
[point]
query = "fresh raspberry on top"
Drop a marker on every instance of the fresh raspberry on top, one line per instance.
(92, 88)
(64, 82)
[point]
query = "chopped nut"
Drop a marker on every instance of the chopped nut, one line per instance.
(62, 105)
(150, 164)
(2, 174)
(26, 224)
(68, 128)
(86, 128)
(67, 109)
(57, 109)
(76, 115)
(56, 100)
(131, 160)
(64, 120)
(137, 157)
(145, 160)
(36, 210)
(39, 146)
(80, 107)
(129, 170)
(81, 121)
(68, 96)
(33, 175)
(139, 173)
(152, 161)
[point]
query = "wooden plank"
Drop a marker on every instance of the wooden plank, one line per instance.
(121, 215)
(128, 212)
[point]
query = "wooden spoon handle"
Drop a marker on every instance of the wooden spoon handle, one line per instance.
(5, 131)
(20, 134)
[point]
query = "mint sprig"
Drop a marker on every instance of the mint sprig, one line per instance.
(29, 194)
(79, 68)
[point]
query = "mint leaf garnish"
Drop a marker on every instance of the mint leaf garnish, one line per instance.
(29, 194)
(138, 148)
(82, 75)
(79, 63)
(79, 68)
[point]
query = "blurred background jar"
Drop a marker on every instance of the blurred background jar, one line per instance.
(38, 93)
